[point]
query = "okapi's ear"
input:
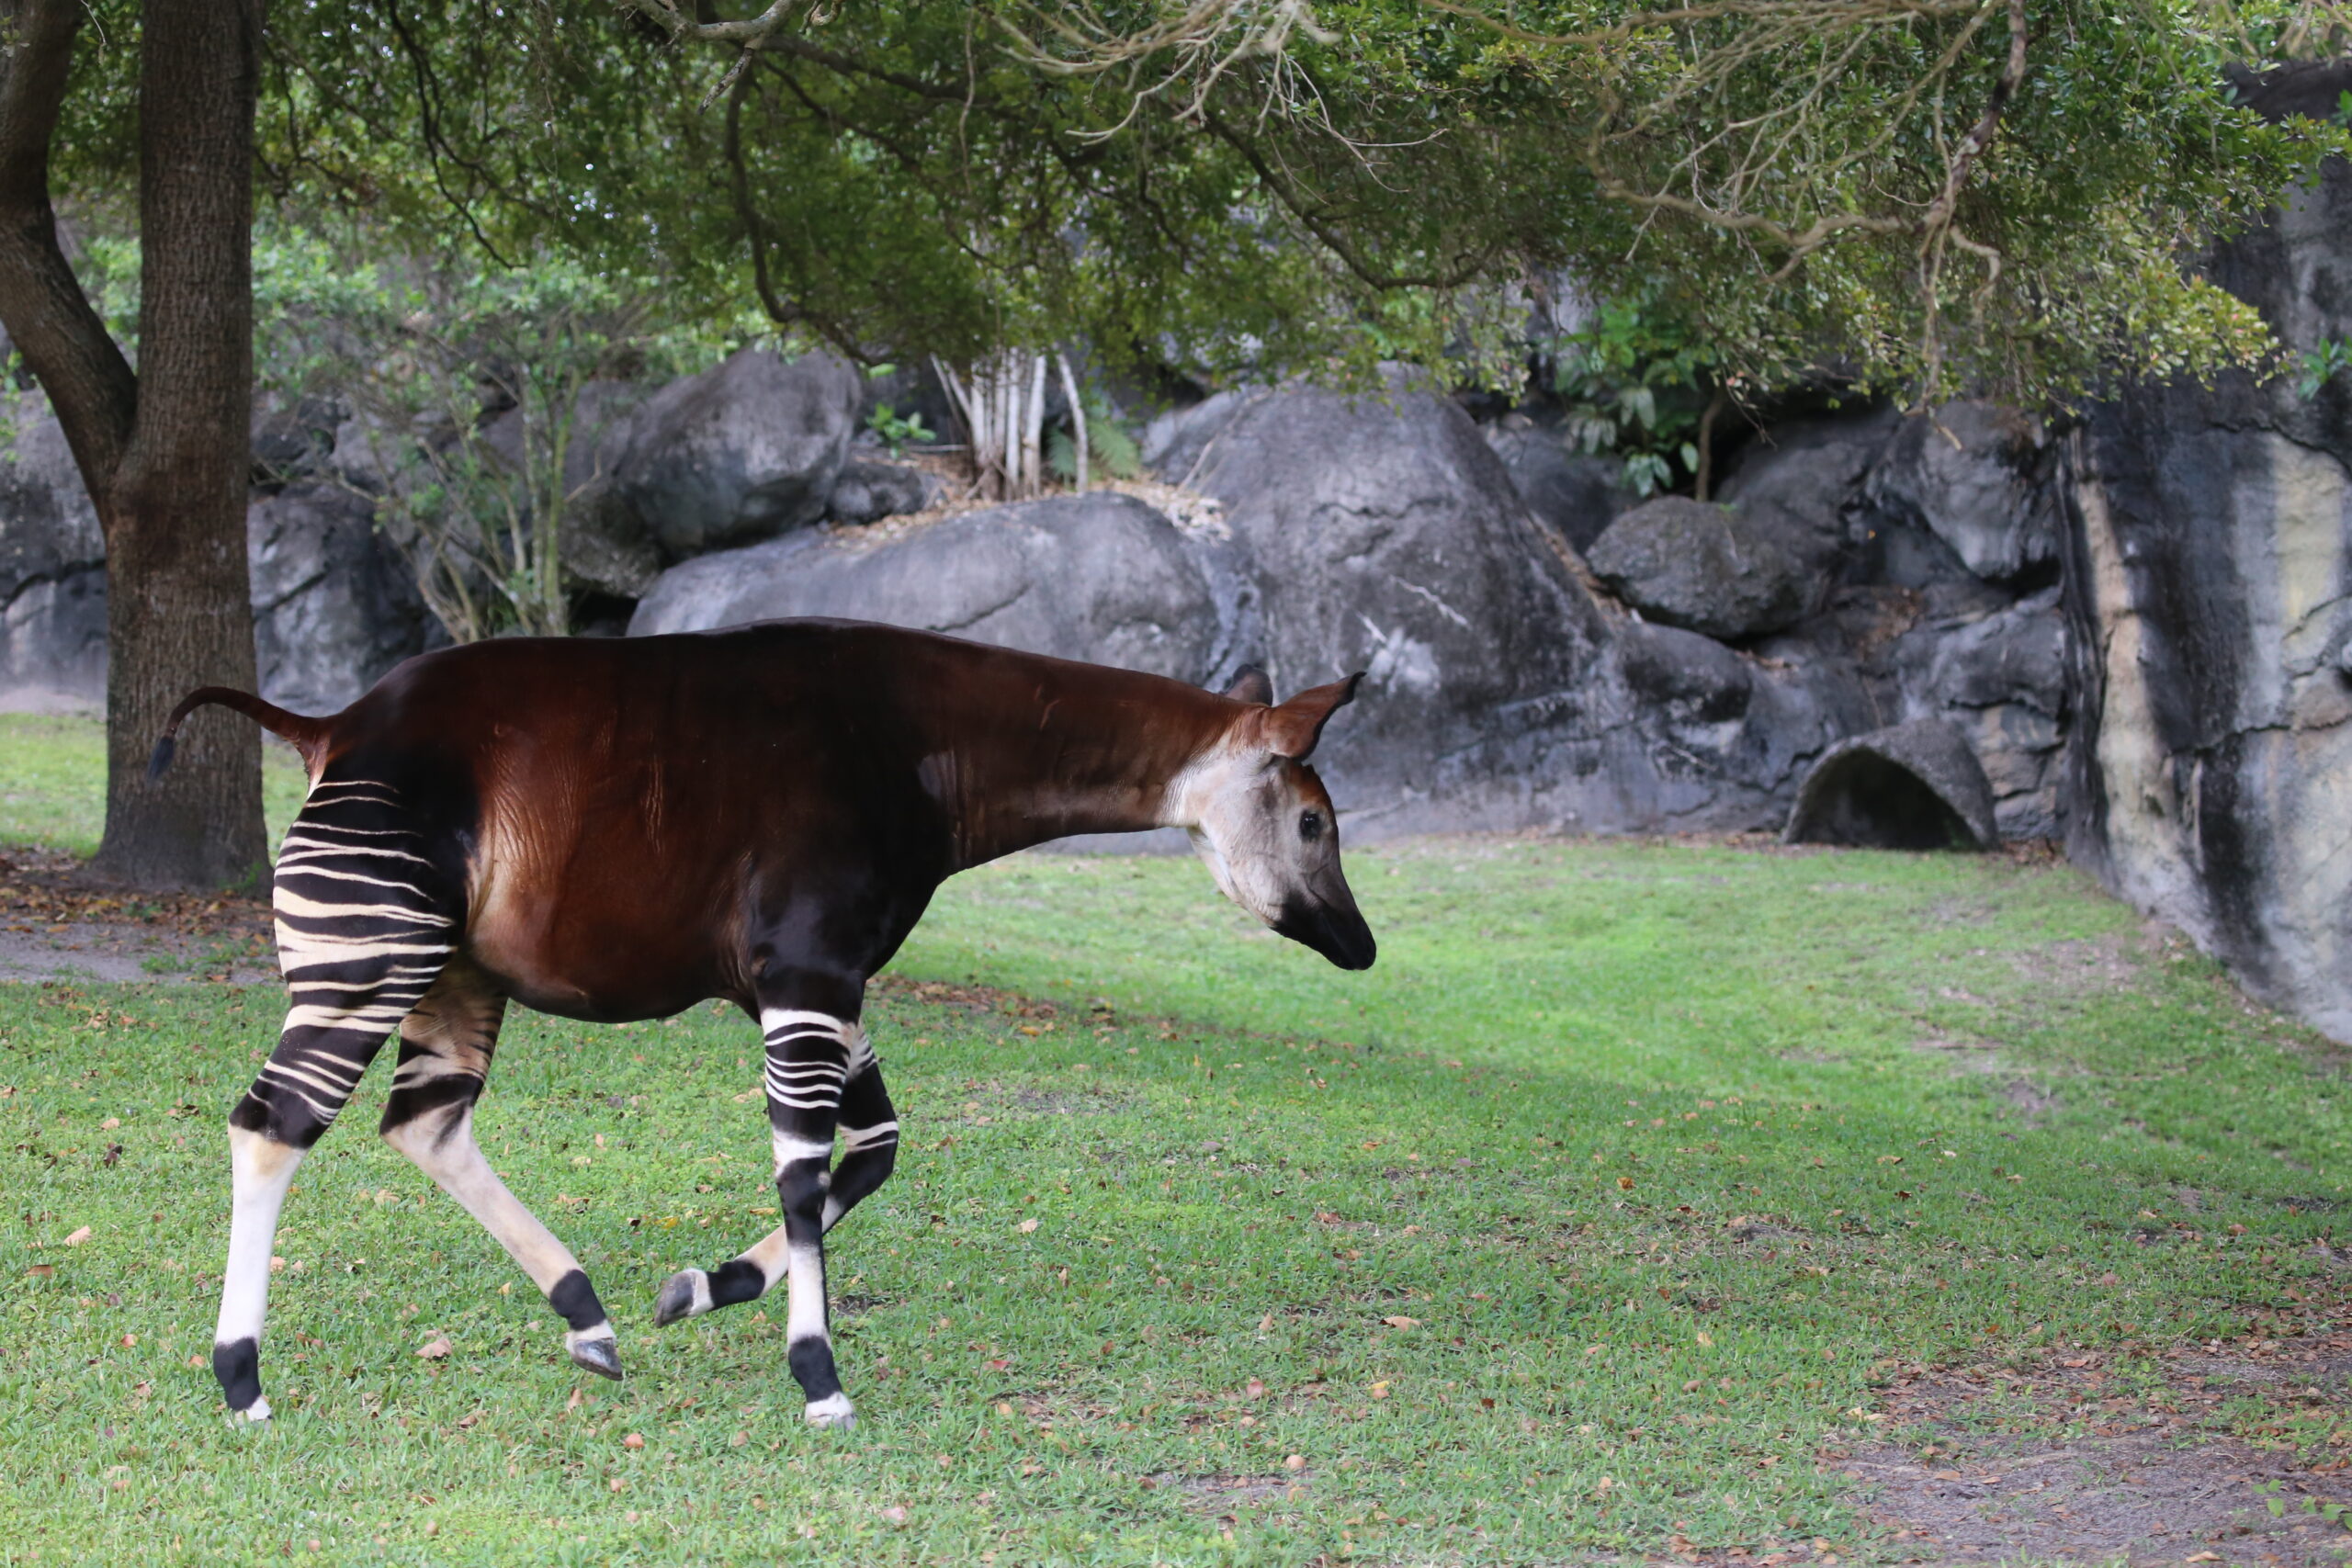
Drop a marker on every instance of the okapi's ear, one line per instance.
(1292, 730)
(1252, 684)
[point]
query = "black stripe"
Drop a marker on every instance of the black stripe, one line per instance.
(574, 1298)
(238, 1366)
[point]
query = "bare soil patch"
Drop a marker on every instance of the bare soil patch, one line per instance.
(57, 923)
(2226, 1452)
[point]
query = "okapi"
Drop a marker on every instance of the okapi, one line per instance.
(616, 831)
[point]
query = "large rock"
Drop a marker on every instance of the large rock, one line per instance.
(1702, 568)
(1100, 577)
(52, 570)
(1377, 533)
(1574, 493)
(1175, 443)
(1976, 475)
(741, 452)
(334, 606)
(1385, 535)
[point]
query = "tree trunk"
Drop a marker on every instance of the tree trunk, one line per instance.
(165, 455)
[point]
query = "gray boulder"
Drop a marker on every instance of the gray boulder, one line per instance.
(1701, 568)
(1913, 786)
(1977, 476)
(52, 570)
(334, 606)
(870, 489)
(1100, 577)
(1383, 534)
(1798, 484)
(744, 451)
(1574, 493)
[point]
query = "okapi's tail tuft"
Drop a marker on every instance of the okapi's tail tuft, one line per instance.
(308, 736)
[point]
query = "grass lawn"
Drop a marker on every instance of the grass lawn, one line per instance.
(1581, 1224)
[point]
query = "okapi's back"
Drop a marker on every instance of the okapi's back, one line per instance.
(625, 803)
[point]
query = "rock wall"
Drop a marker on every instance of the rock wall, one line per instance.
(2209, 564)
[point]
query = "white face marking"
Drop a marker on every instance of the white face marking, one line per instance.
(1262, 829)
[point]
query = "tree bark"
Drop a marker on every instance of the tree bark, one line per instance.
(164, 453)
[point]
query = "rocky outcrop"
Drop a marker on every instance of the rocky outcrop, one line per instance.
(1912, 787)
(1704, 567)
(1378, 532)
(746, 450)
(1975, 475)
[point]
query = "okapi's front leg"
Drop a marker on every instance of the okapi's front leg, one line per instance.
(868, 1134)
(808, 1059)
(446, 1047)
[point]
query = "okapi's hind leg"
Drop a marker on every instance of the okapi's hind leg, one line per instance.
(446, 1045)
(366, 920)
(812, 1058)
(868, 1133)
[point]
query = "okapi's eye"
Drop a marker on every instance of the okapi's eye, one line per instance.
(1310, 826)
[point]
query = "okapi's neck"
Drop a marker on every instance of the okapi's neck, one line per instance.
(1028, 748)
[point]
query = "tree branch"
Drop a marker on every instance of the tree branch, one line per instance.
(1294, 202)
(64, 343)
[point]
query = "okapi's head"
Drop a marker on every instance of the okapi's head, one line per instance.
(1263, 821)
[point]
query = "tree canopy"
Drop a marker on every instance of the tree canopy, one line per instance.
(1915, 195)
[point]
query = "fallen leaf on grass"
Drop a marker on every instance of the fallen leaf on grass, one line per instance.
(634, 1440)
(895, 1514)
(434, 1349)
(1296, 1463)
(41, 1271)
(1028, 1226)
(78, 1238)
(1400, 1321)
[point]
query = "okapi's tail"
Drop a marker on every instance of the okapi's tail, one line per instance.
(308, 736)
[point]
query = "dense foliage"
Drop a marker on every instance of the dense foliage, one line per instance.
(1914, 193)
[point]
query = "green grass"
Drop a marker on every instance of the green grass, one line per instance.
(1648, 1143)
(51, 789)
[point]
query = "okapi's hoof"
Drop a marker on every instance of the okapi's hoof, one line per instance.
(684, 1294)
(600, 1354)
(832, 1412)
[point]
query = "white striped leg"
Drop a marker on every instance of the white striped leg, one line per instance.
(363, 931)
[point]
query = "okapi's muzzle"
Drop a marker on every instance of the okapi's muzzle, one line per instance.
(1336, 930)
